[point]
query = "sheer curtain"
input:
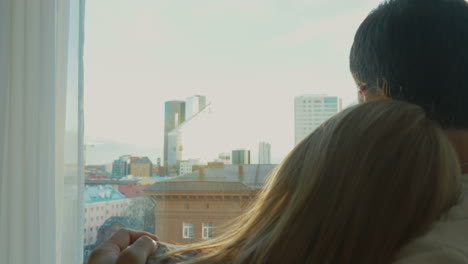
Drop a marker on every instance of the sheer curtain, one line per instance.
(41, 131)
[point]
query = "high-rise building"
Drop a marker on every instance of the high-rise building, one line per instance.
(174, 115)
(240, 156)
(121, 166)
(264, 153)
(310, 111)
(181, 144)
(194, 105)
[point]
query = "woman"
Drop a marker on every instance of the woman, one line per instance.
(356, 190)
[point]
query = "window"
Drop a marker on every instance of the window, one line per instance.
(154, 61)
(330, 100)
(207, 230)
(187, 231)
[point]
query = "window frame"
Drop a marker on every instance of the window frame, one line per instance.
(186, 228)
(207, 228)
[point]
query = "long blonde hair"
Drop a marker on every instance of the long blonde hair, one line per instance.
(356, 190)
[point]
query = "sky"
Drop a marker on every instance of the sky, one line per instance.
(250, 58)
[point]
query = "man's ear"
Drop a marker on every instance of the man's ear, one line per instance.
(365, 95)
(362, 95)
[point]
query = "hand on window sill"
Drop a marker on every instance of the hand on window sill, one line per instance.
(126, 246)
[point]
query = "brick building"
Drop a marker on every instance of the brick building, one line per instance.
(197, 206)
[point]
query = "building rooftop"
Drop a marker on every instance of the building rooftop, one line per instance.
(101, 193)
(142, 160)
(198, 186)
(196, 116)
(132, 191)
(219, 179)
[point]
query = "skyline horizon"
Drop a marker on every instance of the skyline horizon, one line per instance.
(157, 152)
(250, 58)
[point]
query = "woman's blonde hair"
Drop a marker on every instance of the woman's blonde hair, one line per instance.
(356, 190)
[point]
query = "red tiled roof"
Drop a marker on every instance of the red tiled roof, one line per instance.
(132, 191)
(96, 177)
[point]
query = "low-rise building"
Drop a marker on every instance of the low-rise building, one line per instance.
(101, 203)
(193, 207)
(224, 158)
(141, 167)
(186, 166)
(121, 166)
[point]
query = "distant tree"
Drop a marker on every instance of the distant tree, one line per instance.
(142, 208)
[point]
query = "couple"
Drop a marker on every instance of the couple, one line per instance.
(381, 182)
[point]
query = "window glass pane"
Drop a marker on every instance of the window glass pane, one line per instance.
(190, 105)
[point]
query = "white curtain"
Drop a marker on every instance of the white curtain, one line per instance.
(41, 131)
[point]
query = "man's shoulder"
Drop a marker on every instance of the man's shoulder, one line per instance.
(446, 242)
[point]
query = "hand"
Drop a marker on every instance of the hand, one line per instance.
(126, 246)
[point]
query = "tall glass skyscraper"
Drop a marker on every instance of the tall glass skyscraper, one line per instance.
(193, 105)
(174, 115)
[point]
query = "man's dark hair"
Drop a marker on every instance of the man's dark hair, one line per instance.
(417, 51)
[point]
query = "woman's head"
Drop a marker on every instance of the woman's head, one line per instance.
(354, 191)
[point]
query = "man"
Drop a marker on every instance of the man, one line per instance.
(417, 51)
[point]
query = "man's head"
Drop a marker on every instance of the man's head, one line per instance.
(416, 51)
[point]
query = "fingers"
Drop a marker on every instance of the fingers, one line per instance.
(111, 250)
(125, 237)
(138, 252)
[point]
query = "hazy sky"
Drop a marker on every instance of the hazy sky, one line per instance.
(250, 58)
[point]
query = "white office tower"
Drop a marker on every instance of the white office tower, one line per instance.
(193, 105)
(186, 166)
(264, 153)
(310, 111)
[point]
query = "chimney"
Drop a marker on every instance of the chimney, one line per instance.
(201, 173)
(241, 173)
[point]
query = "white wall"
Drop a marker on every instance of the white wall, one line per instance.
(97, 213)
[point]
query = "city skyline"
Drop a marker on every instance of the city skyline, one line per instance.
(250, 68)
(174, 114)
